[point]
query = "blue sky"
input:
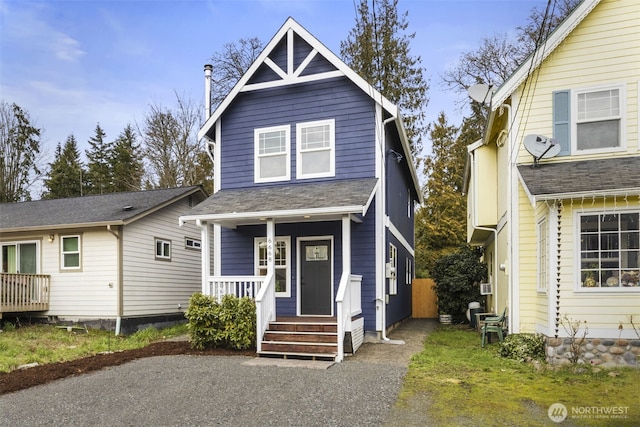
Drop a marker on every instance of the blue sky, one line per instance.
(74, 64)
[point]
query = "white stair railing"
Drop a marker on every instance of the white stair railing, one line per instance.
(265, 307)
(240, 286)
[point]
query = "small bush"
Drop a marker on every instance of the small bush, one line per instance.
(230, 323)
(523, 347)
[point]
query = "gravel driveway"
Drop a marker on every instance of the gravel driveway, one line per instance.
(225, 391)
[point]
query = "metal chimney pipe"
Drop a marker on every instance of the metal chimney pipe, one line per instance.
(208, 69)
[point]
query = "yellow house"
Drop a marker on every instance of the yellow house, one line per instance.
(553, 187)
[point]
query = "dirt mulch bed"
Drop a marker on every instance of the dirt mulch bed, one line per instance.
(42, 374)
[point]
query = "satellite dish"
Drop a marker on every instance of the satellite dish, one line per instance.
(481, 93)
(541, 147)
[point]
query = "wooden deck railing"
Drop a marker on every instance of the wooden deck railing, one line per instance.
(24, 292)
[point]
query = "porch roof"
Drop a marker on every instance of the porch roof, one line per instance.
(587, 178)
(298, 202)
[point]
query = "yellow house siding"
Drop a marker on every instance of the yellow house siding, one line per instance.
(603, 50)
(527, 280)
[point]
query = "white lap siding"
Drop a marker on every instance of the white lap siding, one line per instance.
(152, 286)
(89, 292)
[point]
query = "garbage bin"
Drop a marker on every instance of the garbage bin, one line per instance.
(474, 308)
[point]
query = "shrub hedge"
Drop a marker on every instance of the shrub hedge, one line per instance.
(230, 323)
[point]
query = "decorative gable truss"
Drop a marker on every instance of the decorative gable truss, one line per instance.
(292, 61)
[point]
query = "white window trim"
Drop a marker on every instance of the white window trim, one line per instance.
(63, 253)
(22, 242)
(256, 261)
(574, 119)
(192, 244)
(543, 261)
(162, 256)
(599, 290)
(332, 149)
(257, 156)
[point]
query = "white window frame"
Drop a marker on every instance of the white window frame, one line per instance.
(622, 97)
(63, 253)
(409, 271)
(192, 244)
(166, 243)
(257, 156)
(393, 262)
(279, 239)
(542, 228)
(16, 244)
(578, 251)
(331, 149)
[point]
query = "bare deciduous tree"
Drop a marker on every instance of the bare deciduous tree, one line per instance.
(170, 144)
(19, 153)
(230, 64)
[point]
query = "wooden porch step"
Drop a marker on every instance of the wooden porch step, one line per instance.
(288, 336)
(299, 347)
(309, 337)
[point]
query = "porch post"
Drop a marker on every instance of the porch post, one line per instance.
(346, 243)
(271, 241)
(205, 253)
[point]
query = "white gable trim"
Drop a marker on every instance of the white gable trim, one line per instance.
(537, 57)
(289, 28)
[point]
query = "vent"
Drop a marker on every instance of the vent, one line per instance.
(485, 289)
(127, 208)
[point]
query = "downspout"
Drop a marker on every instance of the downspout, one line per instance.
(383, 183)
(119, 296)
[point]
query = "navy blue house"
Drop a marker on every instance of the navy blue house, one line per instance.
(313, 209)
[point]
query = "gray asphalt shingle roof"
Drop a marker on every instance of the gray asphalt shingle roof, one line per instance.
(292, 197)
(99, 209)
(587, 176)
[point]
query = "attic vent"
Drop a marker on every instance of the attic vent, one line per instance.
(127, 208)
(485, 289)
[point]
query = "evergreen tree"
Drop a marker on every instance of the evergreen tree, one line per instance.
(99, 173)
(19, 150)
(126, 162)
(66, 173)
(441, 221)
(378, 48)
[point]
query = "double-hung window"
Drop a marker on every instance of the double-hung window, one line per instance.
(609, 250)
(315, 149)
(70, 252)
(272, 154)
(598, 119)
(281, 260)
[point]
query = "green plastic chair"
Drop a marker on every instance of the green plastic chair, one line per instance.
(495, 324)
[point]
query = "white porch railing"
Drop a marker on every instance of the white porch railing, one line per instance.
(24, 292)
(240, 286)
(348, 304)
(265, 307)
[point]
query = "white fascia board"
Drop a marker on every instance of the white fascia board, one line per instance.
(537, 57)
(398, 235)
(620, 192)
(405, 146)
(61, 226)
(227, 217)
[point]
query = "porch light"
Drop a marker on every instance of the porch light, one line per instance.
(51, 238)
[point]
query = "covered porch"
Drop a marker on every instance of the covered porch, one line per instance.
(292, 286)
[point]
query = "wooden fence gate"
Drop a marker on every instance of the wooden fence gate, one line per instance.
(424, 304)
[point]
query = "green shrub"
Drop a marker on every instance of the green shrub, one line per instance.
(230, 323)
(458, 276)
(523, 347)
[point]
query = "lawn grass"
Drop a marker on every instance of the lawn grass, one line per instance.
(464, 382)
(48, 344)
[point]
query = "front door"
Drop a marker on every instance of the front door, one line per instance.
(315, 278)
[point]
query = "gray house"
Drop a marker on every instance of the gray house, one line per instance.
(116, 260)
